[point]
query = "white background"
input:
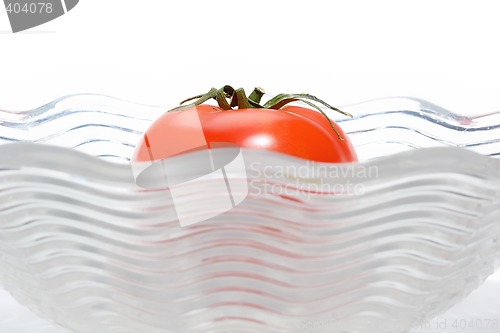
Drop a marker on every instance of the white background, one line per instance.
(158, 51)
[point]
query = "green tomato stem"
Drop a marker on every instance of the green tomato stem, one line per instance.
(237, 98)
(256, 96)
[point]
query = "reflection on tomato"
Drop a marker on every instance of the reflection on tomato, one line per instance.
(294, 130)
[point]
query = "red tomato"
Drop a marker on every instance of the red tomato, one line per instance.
(292, 130)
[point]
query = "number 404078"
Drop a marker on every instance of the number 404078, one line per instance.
(31, 8)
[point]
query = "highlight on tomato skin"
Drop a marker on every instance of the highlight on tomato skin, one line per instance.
(289, 129)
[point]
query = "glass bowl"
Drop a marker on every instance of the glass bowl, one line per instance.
(382, 245)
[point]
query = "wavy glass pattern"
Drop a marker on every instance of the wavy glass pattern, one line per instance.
(384, 245)
(110, 128)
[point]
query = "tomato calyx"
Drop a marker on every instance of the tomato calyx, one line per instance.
(229, 98)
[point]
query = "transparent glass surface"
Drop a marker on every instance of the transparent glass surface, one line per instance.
(383, 245)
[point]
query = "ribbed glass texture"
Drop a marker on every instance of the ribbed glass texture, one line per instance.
(378, 246)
